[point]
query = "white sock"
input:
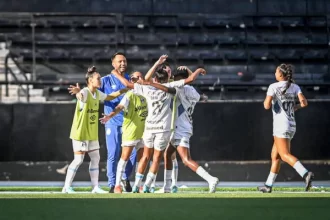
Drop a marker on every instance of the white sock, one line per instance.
(153, 184)
(204, 174)
(94, 167)
(120, 170)
(72, 169)
(136, 167)
(300, 168)
(167, 179)
(271, 179)
(175, 172)
(138, 179)
(150, 178)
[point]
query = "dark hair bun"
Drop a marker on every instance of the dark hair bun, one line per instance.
(91, 69)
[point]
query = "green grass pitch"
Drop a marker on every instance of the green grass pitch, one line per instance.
(191, 203)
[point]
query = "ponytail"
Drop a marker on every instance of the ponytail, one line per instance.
(287, 71)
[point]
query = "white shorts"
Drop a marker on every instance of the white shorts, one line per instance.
(284, 134)
(85, 145)
(137, 144)
(181, 140)
(159, 141)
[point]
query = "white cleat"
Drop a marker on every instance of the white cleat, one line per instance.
(161, 190)
(213, 185)
(68, 190)
(98, 190)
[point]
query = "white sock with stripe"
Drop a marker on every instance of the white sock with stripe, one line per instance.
(94, 167)
(72, 169)
(175, 172)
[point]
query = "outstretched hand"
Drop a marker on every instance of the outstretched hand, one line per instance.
(162, 59)
(74, 89)
(104, 119)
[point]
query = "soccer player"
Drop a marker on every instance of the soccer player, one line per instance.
(186, 99)
(113, 127)
(162, 64)
(158, 123)
(84, 130)
(135, 113)
(281, 97)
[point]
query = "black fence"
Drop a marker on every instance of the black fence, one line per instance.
(222, 132)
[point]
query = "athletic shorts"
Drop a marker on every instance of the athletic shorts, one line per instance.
(137, 144)
(181, 140)
(159, 141)
(284, 134)
(85, 145)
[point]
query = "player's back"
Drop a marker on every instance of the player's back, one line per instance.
(186, 100)
(283, 104)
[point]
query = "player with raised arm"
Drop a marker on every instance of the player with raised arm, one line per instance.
(186, 99)
(162, 64)
(135, 113)
(281, 98)
(84, 130)
(158, 123)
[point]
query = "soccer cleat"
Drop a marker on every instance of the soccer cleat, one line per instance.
(98, 190)
(213, 185)
(308, 180)
(118, 189)
(161, 190)
(264, 189)
(152, 189)
(146, 189)
(135, 189)
(68, 190)
(126, 185)
(174, 189)
(112, 189)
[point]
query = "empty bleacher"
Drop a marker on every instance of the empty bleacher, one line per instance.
(228, 46)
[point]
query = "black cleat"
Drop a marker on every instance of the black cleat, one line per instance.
(112, 189)
(265, 189)
(308, 180)
(126, 185)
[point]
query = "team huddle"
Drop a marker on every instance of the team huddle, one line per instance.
(156, 123)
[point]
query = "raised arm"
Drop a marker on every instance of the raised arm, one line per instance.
(194, 75)
(152, 70)
(114, 95)
(75, 90)
(302, 102)
(106, 118)
(157, 86)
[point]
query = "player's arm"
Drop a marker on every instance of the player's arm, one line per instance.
(114, 95)
(75, 90)
(152, 70)
(122, 79)
(302, 102)
(194, 75)
(268, 102)
(106, 118)
(158, 86)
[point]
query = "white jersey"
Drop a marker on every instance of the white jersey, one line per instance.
(159, 106)
(283, 105)
(186, 99)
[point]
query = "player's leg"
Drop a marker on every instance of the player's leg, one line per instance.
(94, 155)
(274, 170)
(147, 154)
(128, 170)
(194, 166)
(113, 150)
(74, 165)
(175, 172)
(283, 147)
(168, 167)
(122, 163)
(160, 143)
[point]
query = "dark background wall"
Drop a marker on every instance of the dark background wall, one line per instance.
(222, 131)
(249, 7)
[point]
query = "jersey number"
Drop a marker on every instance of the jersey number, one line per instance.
(157, 106)
(288, 107)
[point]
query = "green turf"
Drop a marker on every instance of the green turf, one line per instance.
(190, 189)
(235, 205)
